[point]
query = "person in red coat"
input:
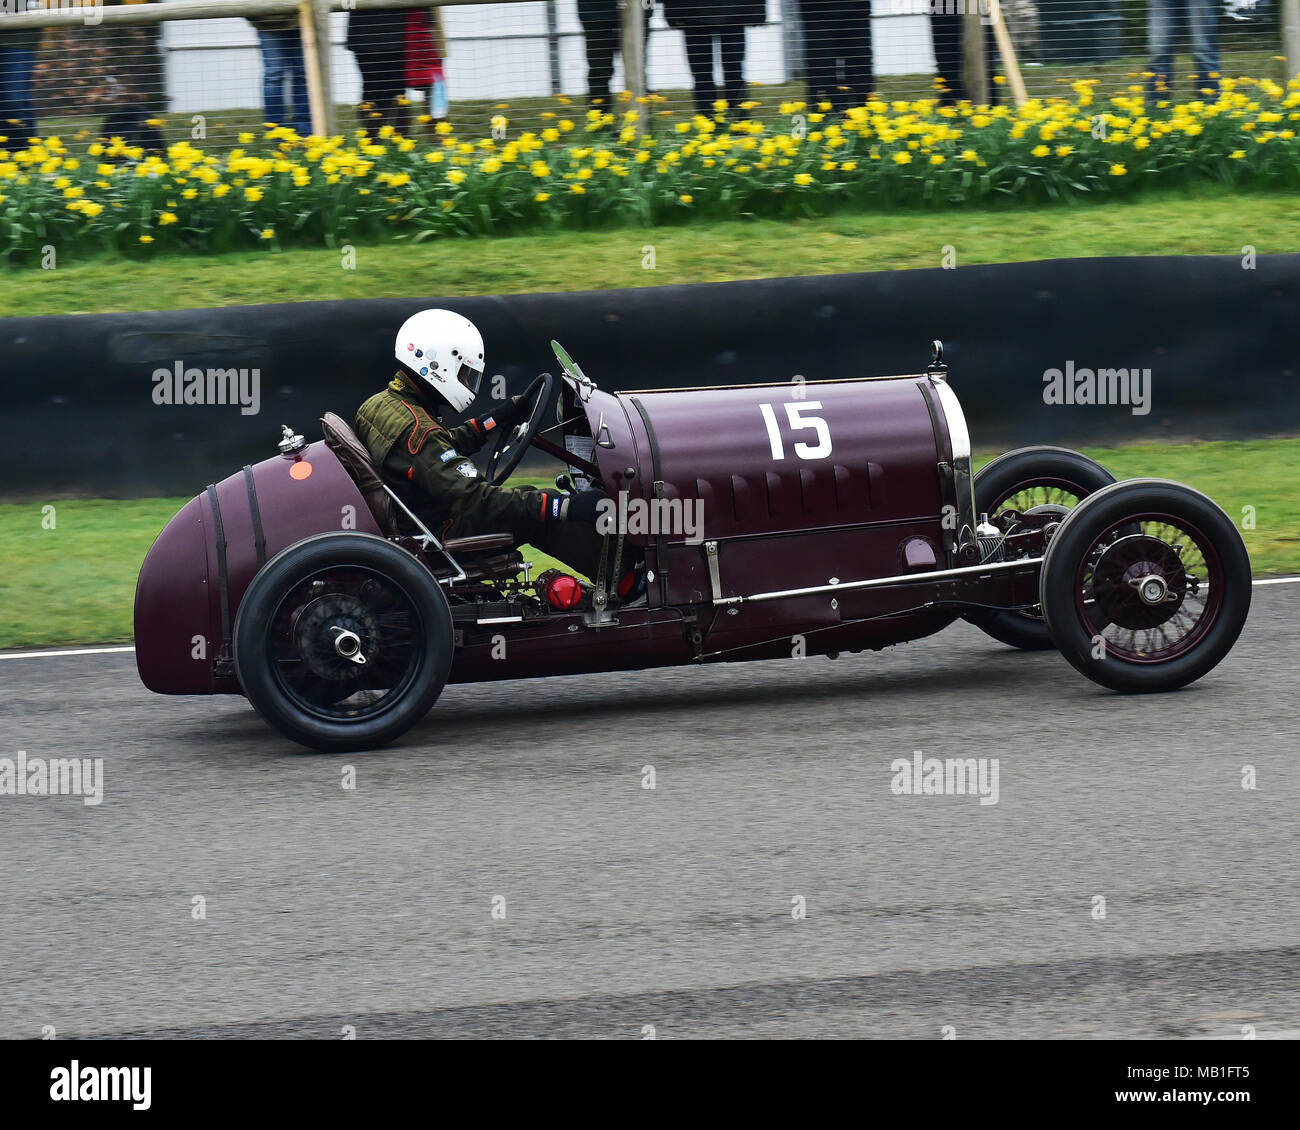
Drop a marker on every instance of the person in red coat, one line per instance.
(425, 49)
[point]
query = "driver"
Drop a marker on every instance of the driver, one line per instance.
(428, 465)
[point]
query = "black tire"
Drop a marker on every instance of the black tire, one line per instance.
(1001, 479)
(1078, 603)
(297, 674)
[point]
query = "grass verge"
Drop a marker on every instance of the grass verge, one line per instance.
(1208, 221)
(75, 583)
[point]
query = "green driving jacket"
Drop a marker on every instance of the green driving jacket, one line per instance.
(429, 466)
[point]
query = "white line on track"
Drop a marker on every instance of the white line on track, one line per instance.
(114, 650)
(69, 651)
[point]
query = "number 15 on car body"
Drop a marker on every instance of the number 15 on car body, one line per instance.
(796, 414)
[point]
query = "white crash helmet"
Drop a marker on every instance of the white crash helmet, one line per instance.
(445, 350)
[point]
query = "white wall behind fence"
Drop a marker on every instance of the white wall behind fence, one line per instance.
(499, 52)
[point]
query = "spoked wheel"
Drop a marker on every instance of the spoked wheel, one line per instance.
(1146, 586)
(1037, 480)
(343, 642)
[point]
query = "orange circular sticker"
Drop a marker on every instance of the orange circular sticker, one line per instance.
(300, 470)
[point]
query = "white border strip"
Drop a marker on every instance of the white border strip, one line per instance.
(70, 651)
(123, 650)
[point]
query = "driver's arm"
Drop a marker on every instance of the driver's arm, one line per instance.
(472, 434)
(437, 461)
(476, 431)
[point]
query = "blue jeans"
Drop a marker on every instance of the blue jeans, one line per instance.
(16, 65)
(282, 64)
(1164, 18)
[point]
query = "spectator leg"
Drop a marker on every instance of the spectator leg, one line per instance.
(1162, 28)
(602, 40)
(699, 57)
(16, 64)
(732, 44)
(819, 51)
(274, 70)
(945, 32)
(296, 68)
(859, 69)
(1203, 15)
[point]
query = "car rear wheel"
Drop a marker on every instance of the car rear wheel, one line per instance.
(1041, 479)
(1146, 586)
(343, 642)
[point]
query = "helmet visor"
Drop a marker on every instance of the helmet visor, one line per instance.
(470, 377)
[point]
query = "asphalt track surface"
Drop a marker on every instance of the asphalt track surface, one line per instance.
(672, 908)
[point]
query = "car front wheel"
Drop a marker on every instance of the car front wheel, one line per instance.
(1146, 586)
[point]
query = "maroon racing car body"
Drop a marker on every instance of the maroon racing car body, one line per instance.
(773, 520)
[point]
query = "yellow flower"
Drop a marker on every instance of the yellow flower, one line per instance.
(1237, 155)
(1040, 151)
(268, 233)
(540, 169)
(253, 194)
(455, 176)
(1118, 170)
(220, 190)
(849, 166)
(936, 158)
(1064, 150)
(146, 239)
(167, 218)
(577, 189)
(90, 209)
(246, 139)
(686, 198)
(803, 179)
(542, 197)
(902, 158)
(968, 155)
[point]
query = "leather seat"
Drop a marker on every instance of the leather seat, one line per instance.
(482, 553)
(352, 453)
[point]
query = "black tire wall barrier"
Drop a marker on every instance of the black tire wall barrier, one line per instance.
(1221, 342)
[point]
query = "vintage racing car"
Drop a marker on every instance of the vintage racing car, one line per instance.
(833, 517)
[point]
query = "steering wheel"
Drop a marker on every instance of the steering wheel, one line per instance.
(511, 443)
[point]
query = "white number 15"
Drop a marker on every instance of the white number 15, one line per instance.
(798, 422)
